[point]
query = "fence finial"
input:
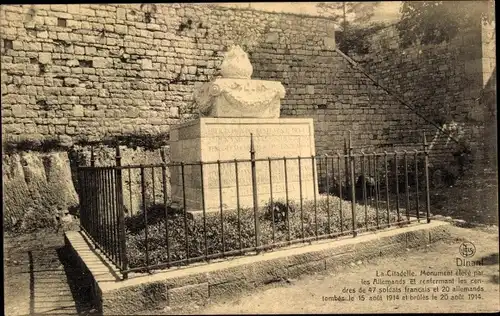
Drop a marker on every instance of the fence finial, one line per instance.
(252, 148)
(350, 141)
(118, 155)
(163, 154)
(92, 156)
(425, 143)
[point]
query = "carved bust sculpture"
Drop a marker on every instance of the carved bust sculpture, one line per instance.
(236, 64)
(236, 94)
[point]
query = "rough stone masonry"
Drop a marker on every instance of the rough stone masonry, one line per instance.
(462, 71)
(83, 72)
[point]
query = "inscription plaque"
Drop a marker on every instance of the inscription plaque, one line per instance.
(210, 139)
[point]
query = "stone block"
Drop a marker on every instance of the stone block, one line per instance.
(59, 7)
(272, 37)
(71, 82)
(188, 294)
(223, 290)
(306, 268)
(50, 21)
(42, 34)
(45, 58)
(146, 64)
(19, 110)
(264, 272)
(90, 51)
(101, 62)
(121, 29)
(78, 111)
(18, 45)
(212, 139)
(310, 89)
(121, 14)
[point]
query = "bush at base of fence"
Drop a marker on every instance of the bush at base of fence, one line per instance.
(319, 221)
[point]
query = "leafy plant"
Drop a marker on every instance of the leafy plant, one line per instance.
(353, 17)
(434, 22)
(356, 39)
(348, 12)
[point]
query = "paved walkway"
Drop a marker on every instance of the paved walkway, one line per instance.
(38, 281)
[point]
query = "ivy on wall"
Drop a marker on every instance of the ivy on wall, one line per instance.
(434, 22)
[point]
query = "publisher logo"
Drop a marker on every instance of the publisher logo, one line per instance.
(467, 249)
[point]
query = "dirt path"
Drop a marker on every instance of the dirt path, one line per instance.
(39, 280)
(474, 198)
(313, 294)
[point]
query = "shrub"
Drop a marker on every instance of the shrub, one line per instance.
(236, 224)
(412, 177)
(278, 212)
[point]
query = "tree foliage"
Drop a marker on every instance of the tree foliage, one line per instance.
(434, 22)
(348, 12)
(354, 18)
(356, 39)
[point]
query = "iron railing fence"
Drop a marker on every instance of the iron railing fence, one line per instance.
(225, 208)
(101, 208)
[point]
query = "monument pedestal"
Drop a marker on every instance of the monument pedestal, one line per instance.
(211, 139)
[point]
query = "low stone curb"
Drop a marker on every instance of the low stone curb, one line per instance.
(227, 278)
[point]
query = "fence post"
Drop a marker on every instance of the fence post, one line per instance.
(346, 169)
(407, 188)
(387, 190)
(121, 217)
(353, 192)
(93, 201)
(417, 206)
(427, 196)
(165, 198)
(254, 187)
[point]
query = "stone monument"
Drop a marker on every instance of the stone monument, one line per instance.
(232, 108)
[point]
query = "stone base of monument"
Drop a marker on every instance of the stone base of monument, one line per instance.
(225, 139)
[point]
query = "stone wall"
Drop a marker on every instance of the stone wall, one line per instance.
(73, 74)
(445, 83)
(84, 72)
(89, 71)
